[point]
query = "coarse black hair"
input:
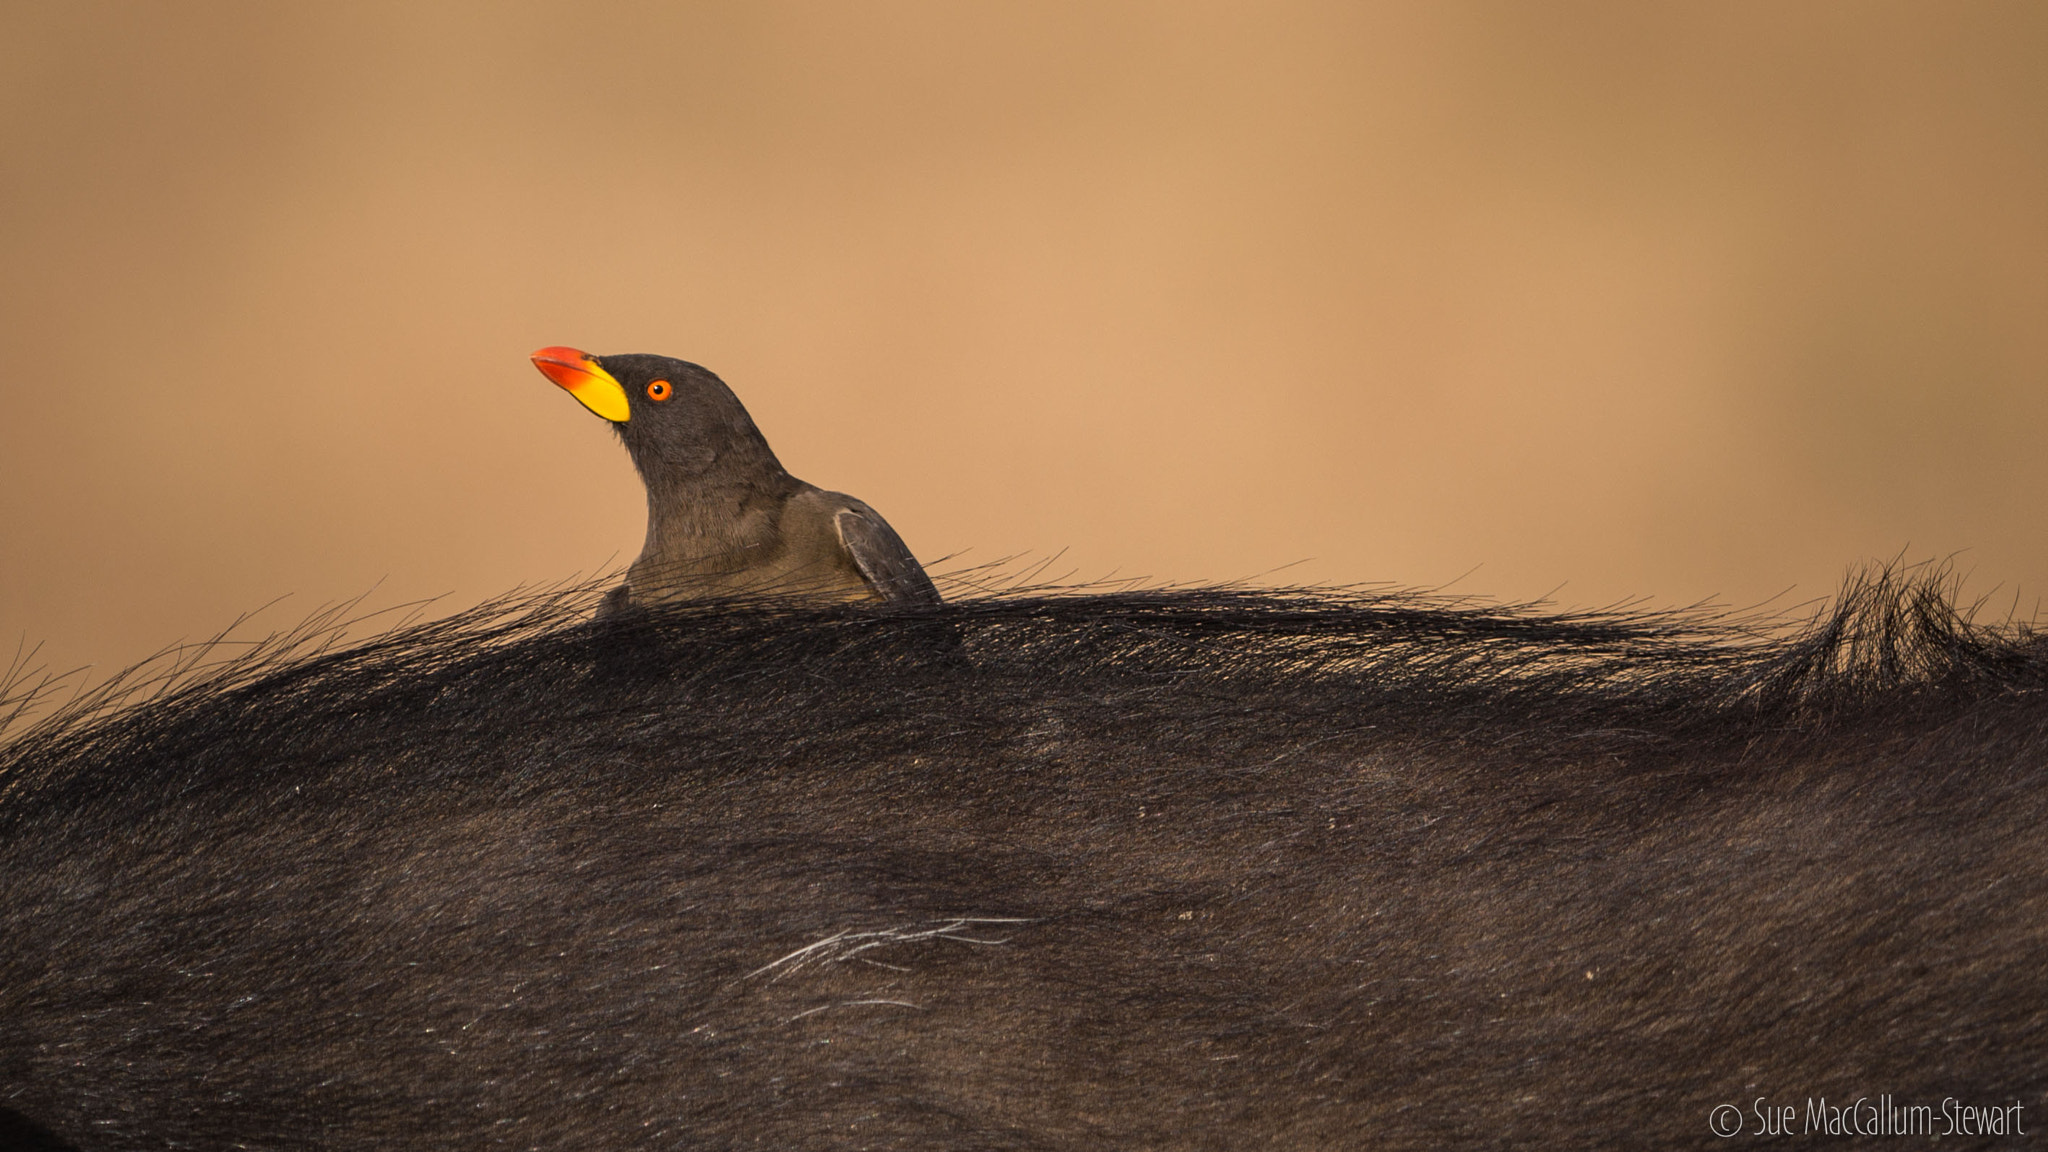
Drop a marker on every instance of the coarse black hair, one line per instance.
(1180, 868)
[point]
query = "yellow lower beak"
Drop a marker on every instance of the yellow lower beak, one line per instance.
(580, 375)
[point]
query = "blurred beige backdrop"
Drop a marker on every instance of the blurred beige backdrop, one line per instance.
(1608, 300)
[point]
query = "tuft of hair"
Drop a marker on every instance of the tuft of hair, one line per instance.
(1037, 868)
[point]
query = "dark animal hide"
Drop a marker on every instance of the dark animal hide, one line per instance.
(1202, 869)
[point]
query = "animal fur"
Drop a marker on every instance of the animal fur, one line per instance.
(1199, 869)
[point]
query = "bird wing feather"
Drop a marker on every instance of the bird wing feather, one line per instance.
(882, 557)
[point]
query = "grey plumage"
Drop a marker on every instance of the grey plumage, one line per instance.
(725, 519)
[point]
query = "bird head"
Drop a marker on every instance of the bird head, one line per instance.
(676, 418)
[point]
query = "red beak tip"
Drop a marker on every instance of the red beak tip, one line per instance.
(567, 357)
(567, 367)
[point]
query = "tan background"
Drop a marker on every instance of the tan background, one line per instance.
(1613, 299)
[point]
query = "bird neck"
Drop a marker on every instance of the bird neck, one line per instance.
(714, 516)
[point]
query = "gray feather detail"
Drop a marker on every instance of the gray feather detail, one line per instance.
(882, 557)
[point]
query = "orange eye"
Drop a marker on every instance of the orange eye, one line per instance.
(659, 390)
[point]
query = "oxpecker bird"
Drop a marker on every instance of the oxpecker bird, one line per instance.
(724, 518)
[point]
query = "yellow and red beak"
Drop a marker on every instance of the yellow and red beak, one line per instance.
(580, 375)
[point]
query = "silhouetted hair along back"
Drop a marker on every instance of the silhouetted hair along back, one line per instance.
(1206, 868)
